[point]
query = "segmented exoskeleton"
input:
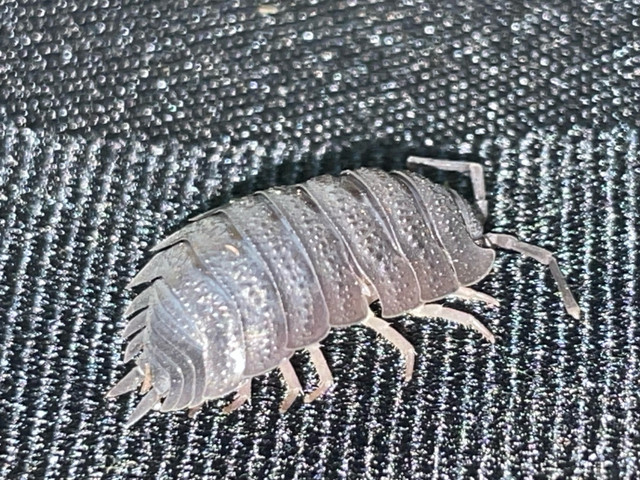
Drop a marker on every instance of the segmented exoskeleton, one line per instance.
(238, 290)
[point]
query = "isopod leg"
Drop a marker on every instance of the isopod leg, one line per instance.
(325, 379)
(543, 256)
(243, 395)
(387, 332)
(146, 384)
(476, 173)
(294, 388)
(193, 411)
(466, 293)
(462, 318)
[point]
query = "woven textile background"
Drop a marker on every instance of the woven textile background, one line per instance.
(120, 119)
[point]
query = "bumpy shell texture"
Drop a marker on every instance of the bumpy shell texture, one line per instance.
(238, 290)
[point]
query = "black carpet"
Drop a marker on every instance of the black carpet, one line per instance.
(120, 119)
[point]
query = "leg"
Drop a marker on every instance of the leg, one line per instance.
(543, 256)
(146, 384)
(293, 384)
(476, 173)
(387, 332)
(434, 310)
(193, 411)
(243, 395)
(465, 293)
(325, 379)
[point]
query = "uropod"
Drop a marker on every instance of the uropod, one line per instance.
(237, 291)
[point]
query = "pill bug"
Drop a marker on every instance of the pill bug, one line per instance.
(237, 291)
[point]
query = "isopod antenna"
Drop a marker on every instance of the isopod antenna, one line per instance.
(509, 242)
(476, 174)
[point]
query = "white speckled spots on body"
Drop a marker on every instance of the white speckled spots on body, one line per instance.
(234, 293)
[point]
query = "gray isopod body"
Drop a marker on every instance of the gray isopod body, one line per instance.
(237, 291)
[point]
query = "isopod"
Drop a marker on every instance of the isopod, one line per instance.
(237, 291)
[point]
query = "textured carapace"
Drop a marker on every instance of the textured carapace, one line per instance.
(238, 290)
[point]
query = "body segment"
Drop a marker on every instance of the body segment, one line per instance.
(340, 284)
(413, 232)
(267, 232)
(236, 292)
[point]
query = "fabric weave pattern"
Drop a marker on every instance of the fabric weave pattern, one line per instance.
(120, 119)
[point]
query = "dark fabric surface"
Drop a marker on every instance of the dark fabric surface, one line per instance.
(120, 119)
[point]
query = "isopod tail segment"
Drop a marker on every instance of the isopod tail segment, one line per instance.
(507, 242)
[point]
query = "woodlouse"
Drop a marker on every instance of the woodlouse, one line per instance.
(236, 292)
